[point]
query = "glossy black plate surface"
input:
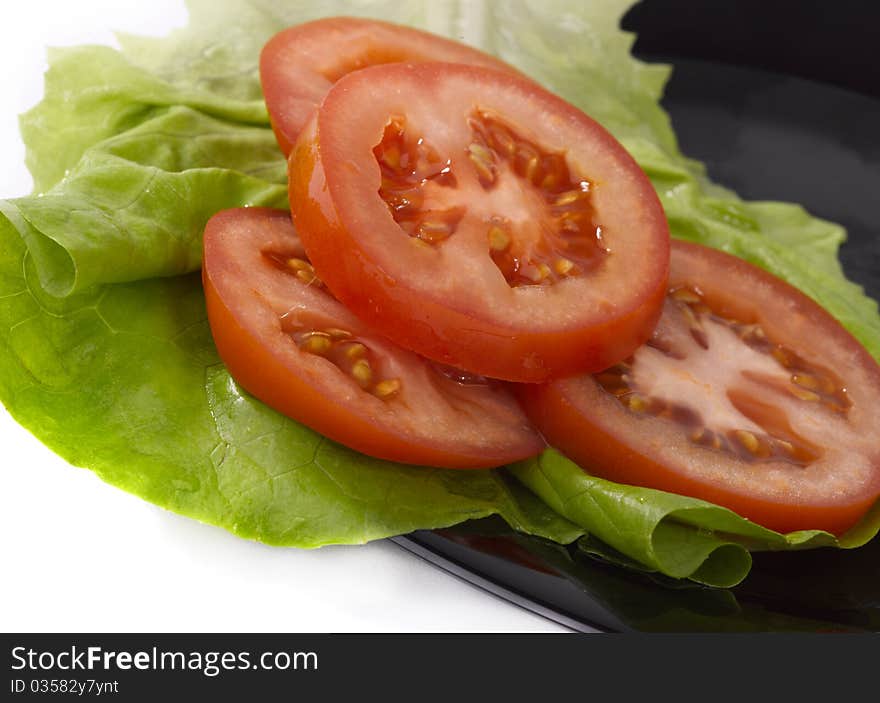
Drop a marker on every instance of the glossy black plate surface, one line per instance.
(769, 136)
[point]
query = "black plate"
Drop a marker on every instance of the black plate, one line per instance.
(769, 136)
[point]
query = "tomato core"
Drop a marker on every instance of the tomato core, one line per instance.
(521, 184)
(729, 419)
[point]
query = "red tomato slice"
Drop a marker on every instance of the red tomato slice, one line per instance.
(748, 395)
(300, 64)
(479, 220)
(286, 340)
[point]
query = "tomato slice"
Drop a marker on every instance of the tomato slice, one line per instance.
(286, 340)
(479, 220)
(748, 395)
(300, 64)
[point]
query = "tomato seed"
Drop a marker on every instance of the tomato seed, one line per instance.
(636, 403)
(308, 277)
(483, 162)
(362, 372)
(316, 343)
(387, 388)
(499, 240)
(782, 356)
(804, 394)
(356, 350)
(433, 231)
(501, 140)
(337, 333)
(748, 440)
(686, 295)
(568, 198)
(532, 171)
(563, 266)
(785, 446)
(805, 381)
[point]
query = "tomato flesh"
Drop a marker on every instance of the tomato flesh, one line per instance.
(300, 64)
(287, 341)
(748, 395)
(484, 222)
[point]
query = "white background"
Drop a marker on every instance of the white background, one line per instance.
(80, 555)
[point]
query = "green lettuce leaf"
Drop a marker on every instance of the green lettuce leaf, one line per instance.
(125, 379)
(106, 356)
(675, 535)
(95, 92)
(135, 204)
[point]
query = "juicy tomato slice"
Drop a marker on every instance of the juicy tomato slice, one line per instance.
(479, 220)
(748, 395)
(300, 64)
(287, 341)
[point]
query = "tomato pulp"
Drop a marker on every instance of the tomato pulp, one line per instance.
(300, 64)
(480, 221)
(748, 395)
(287, 341)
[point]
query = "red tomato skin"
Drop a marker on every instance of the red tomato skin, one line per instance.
(264, 375)
(606, 451)
(477, 346)
(289, 101)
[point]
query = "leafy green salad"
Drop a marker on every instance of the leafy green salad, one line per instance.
(105, 350)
